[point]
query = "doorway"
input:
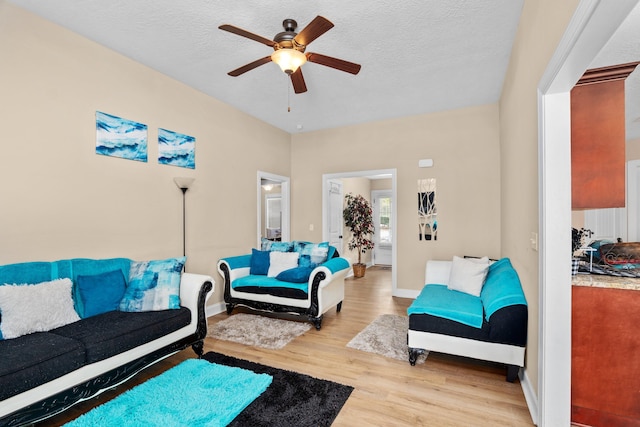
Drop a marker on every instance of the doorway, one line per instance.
(372, 175)
(381, 201)
(273, 207)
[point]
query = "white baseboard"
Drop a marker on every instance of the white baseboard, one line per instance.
(406, 293)
(529, 395)
(213, 309)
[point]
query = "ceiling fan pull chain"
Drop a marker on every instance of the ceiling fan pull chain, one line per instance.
(288, 97)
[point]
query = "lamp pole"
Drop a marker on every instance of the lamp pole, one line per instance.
(184, 222)
(183, 184)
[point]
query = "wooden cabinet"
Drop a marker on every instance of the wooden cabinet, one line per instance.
(598, 138)
(605, 364)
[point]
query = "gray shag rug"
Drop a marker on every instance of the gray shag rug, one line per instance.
(258, 331)
(387, 336)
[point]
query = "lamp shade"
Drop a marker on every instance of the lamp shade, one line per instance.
(183, 183)
(289, 60)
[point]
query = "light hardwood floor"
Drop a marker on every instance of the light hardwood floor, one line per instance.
(445, 391)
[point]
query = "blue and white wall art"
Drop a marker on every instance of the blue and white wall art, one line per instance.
(176, 149)
(119, 137)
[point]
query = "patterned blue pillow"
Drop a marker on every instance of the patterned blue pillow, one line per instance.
(312, 254)
(153, 285)
(269, 245)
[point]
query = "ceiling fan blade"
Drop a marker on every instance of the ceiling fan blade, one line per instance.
(338, 64)
(297, 80)
(250, 66)
(247, 34)
(315, 29)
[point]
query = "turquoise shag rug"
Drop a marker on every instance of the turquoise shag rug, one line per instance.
(193, 393)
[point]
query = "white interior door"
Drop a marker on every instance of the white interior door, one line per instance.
(335, 220)
(383, 226)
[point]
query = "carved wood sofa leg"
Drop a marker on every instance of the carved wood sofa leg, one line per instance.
(230, 308)
(317, 322)
(413, 355)
(198, 348)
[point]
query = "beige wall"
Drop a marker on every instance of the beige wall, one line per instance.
(542, 24)
(60, 199)
(465, 149)
(381, 184)
(633, 149)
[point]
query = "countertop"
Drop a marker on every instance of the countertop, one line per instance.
(602, 281)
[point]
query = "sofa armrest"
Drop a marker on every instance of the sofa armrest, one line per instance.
(195, 289)
(337, 264)
(508, 325)
(337, 267)
(236, 266)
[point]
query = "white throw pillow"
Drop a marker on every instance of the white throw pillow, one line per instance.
(36, 308)
(468, 274)
(281, 261)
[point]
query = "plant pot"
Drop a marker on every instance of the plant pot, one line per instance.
(358, 270)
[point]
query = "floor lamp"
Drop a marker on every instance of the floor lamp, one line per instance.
(183, 184)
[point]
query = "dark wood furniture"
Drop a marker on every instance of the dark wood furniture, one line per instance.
(598, 138)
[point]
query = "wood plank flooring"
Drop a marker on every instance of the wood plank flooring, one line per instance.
(445, 391)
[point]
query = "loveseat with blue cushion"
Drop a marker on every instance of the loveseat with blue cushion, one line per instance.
(471, 308)
(73, 328)
(301, 278)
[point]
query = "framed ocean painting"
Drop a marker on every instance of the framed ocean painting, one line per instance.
(118, 137)
(176, 149)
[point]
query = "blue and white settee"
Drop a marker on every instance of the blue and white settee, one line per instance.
(471, 308)
(301, 278)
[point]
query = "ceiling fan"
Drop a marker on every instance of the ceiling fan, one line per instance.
(289, 50)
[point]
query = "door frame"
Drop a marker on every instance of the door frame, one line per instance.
(363, 174)
(591, 26)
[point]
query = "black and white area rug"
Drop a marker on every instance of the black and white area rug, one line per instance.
(292, 400)
(258, 331)
(387, 336)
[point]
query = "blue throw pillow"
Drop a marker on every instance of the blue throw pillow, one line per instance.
(295, 275)
(100, 293)
(153, 285)
(259, 262)
(312, 254)
(268, 245)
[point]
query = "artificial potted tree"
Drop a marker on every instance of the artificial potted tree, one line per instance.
(358, 217)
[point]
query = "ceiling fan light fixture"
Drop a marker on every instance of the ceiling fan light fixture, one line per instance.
(289, 60)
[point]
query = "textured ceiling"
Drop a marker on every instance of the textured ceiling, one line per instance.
(417, 56)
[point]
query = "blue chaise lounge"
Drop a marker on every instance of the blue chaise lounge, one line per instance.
(489, 323)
